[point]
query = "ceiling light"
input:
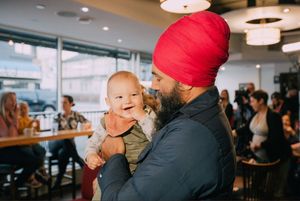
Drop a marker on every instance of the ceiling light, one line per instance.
(184, 6)
(119, 40)
(263, 36)
(286, 10)
(40, 6)
(257, 66)
(85, 9)
(223, 68)
(10, 42)
(105, 28)
(246, 30)
(291, 47)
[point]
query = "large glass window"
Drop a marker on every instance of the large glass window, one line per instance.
(29, 69)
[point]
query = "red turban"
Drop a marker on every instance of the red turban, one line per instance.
(192, 49)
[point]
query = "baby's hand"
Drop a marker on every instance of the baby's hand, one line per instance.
(138, 113)
(93, 160)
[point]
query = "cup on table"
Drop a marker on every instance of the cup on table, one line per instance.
(28, 131)
(54, 127)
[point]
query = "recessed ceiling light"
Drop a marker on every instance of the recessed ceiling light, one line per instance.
(10, 42)
(246, 30)
(85, 9)
(223, 68)
(286, 10)
(257, 66)
(120, 40)
(105, 28)
(40, 6)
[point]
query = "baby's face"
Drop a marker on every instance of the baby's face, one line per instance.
(124, 95)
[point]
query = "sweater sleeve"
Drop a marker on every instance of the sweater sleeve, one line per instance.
(95, 141)
(147, 124)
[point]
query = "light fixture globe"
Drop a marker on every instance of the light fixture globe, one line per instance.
(263, 36)
(184, 6)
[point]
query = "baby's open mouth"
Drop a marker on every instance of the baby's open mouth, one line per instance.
(128, 108)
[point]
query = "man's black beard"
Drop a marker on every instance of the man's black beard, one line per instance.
(169, 105)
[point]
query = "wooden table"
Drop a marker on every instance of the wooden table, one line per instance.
(43, 136)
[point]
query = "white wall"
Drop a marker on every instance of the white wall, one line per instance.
(232, 76)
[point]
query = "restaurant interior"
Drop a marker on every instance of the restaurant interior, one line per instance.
(57, 55)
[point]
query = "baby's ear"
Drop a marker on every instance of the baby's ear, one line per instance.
(107, 101)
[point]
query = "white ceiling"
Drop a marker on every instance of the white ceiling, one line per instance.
(137, 22)
(136, 35)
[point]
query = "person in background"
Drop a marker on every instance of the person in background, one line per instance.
(278, 104)
(26, 122)
(289, 133)
(191, 156)
(20, 156)
(64, 149)
(250, 88)
(224, 97)
(268, 142)
(292, 103)
(127, 117)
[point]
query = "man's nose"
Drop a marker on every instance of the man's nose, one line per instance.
(154, 85)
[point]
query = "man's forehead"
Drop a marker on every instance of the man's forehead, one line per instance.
(156, 71)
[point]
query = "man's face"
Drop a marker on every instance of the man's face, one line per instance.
(169, 96)
(275, 102)
(161, 82)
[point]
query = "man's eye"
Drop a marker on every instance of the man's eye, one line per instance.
(119, 97)
(134, 94)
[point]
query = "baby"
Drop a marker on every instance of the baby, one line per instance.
(127, 117)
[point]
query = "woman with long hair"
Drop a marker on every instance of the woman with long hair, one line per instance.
(20, 156)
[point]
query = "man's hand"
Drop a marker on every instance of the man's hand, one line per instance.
(93, 160)
(112, 146)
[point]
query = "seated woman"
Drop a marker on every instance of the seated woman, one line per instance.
(64, 149)
(20, 156)
(26, 122)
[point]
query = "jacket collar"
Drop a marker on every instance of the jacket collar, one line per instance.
(203, 102)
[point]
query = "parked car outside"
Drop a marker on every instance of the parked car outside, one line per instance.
(39, 100)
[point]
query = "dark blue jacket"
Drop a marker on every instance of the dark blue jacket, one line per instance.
(190, 158)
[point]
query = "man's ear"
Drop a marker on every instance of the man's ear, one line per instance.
(184, 87)
(107, 101)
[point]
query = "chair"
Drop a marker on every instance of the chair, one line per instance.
(88, 177)
(258, 179)
(12, 172)
(52, 160)
(6, 169)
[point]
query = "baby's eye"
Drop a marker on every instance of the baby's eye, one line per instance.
(119, 97)
(135, 94)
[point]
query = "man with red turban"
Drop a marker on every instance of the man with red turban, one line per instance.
(191, 156)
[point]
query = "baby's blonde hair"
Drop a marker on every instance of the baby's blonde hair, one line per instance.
(122, 74)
